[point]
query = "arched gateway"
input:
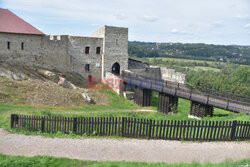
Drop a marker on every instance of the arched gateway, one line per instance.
(116, 68)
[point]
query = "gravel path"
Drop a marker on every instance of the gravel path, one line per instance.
(122, 150)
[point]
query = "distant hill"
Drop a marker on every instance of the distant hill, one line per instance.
(223, 53)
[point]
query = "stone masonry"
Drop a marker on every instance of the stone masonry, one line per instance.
(107, 46)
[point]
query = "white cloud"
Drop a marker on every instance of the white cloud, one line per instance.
(177, 31)
(217, 24)
(241, 16)
(193, 20)
(121, 16)
(94, 24)
(247, 25)
(149, 18)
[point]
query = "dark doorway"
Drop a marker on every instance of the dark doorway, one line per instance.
(116, 68)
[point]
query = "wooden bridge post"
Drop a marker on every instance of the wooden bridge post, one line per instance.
(166, 102)
(200, 110)
(143, 96)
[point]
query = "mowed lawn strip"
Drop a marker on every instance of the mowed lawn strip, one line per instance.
(46, 161)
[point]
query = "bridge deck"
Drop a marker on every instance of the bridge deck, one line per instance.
(205, 96)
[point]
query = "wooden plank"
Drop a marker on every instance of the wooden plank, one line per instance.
(92, 125)
(134, 126)
(181, 125)
(153, 130)
(119, 126)
(222, 131)
(208, 130)
(218, 130)
(101, 128)
(170, 130)
(194, 130)
(115, 133)
(143, 128)
(191, 129)
(228, 127)
(198, 130)
(131, 127)
(184, 130)
(245, 131)
(160, 133)
(164, 128)
(157, 129)
(187, 130)
(177, 130)
(137, 127)
(214, 131)
(241, 129)
(167, 130)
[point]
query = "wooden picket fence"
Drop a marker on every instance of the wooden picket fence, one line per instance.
(136, 128)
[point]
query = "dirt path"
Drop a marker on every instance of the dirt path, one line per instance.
(122, 150)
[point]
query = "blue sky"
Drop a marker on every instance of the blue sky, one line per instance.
(187, 21)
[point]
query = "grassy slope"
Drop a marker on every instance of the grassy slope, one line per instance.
(118, 107)
(22, 161)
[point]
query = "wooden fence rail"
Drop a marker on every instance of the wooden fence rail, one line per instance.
(136, 128)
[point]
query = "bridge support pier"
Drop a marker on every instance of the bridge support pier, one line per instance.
(166, 102)
(142, 97)
(199, 110)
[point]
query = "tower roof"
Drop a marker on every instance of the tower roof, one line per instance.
(11, 23)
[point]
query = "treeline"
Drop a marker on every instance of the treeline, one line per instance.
(231, 80)
(221, 53)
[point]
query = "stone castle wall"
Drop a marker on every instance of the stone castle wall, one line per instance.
(78, 57)
(31, 48)
(115, 47)
(172, 75)
(67, 53)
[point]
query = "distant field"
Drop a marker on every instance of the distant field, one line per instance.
(206, 68)
(185, 60)
(187, 63)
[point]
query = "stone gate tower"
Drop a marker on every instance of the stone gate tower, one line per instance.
(115, 49)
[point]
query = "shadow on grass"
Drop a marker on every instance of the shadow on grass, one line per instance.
(221, 115)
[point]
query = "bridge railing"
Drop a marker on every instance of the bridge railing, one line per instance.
(221, 100)
(186, 88)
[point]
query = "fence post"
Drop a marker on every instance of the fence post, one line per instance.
(75, 125)
(13, 120)
(150, 127)
(43, 124)
(232, 136)
(123, 121)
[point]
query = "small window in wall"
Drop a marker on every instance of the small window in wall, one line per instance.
(87, 50)
(86, 67)
(98, 50)
(116, 41)
(22, 46)
(8, 45)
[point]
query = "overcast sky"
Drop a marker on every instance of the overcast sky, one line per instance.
(187, 21)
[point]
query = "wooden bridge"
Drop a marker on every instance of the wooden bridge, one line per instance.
(202, 100)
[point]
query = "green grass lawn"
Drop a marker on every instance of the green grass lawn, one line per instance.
(117, 107)
(46, 161)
